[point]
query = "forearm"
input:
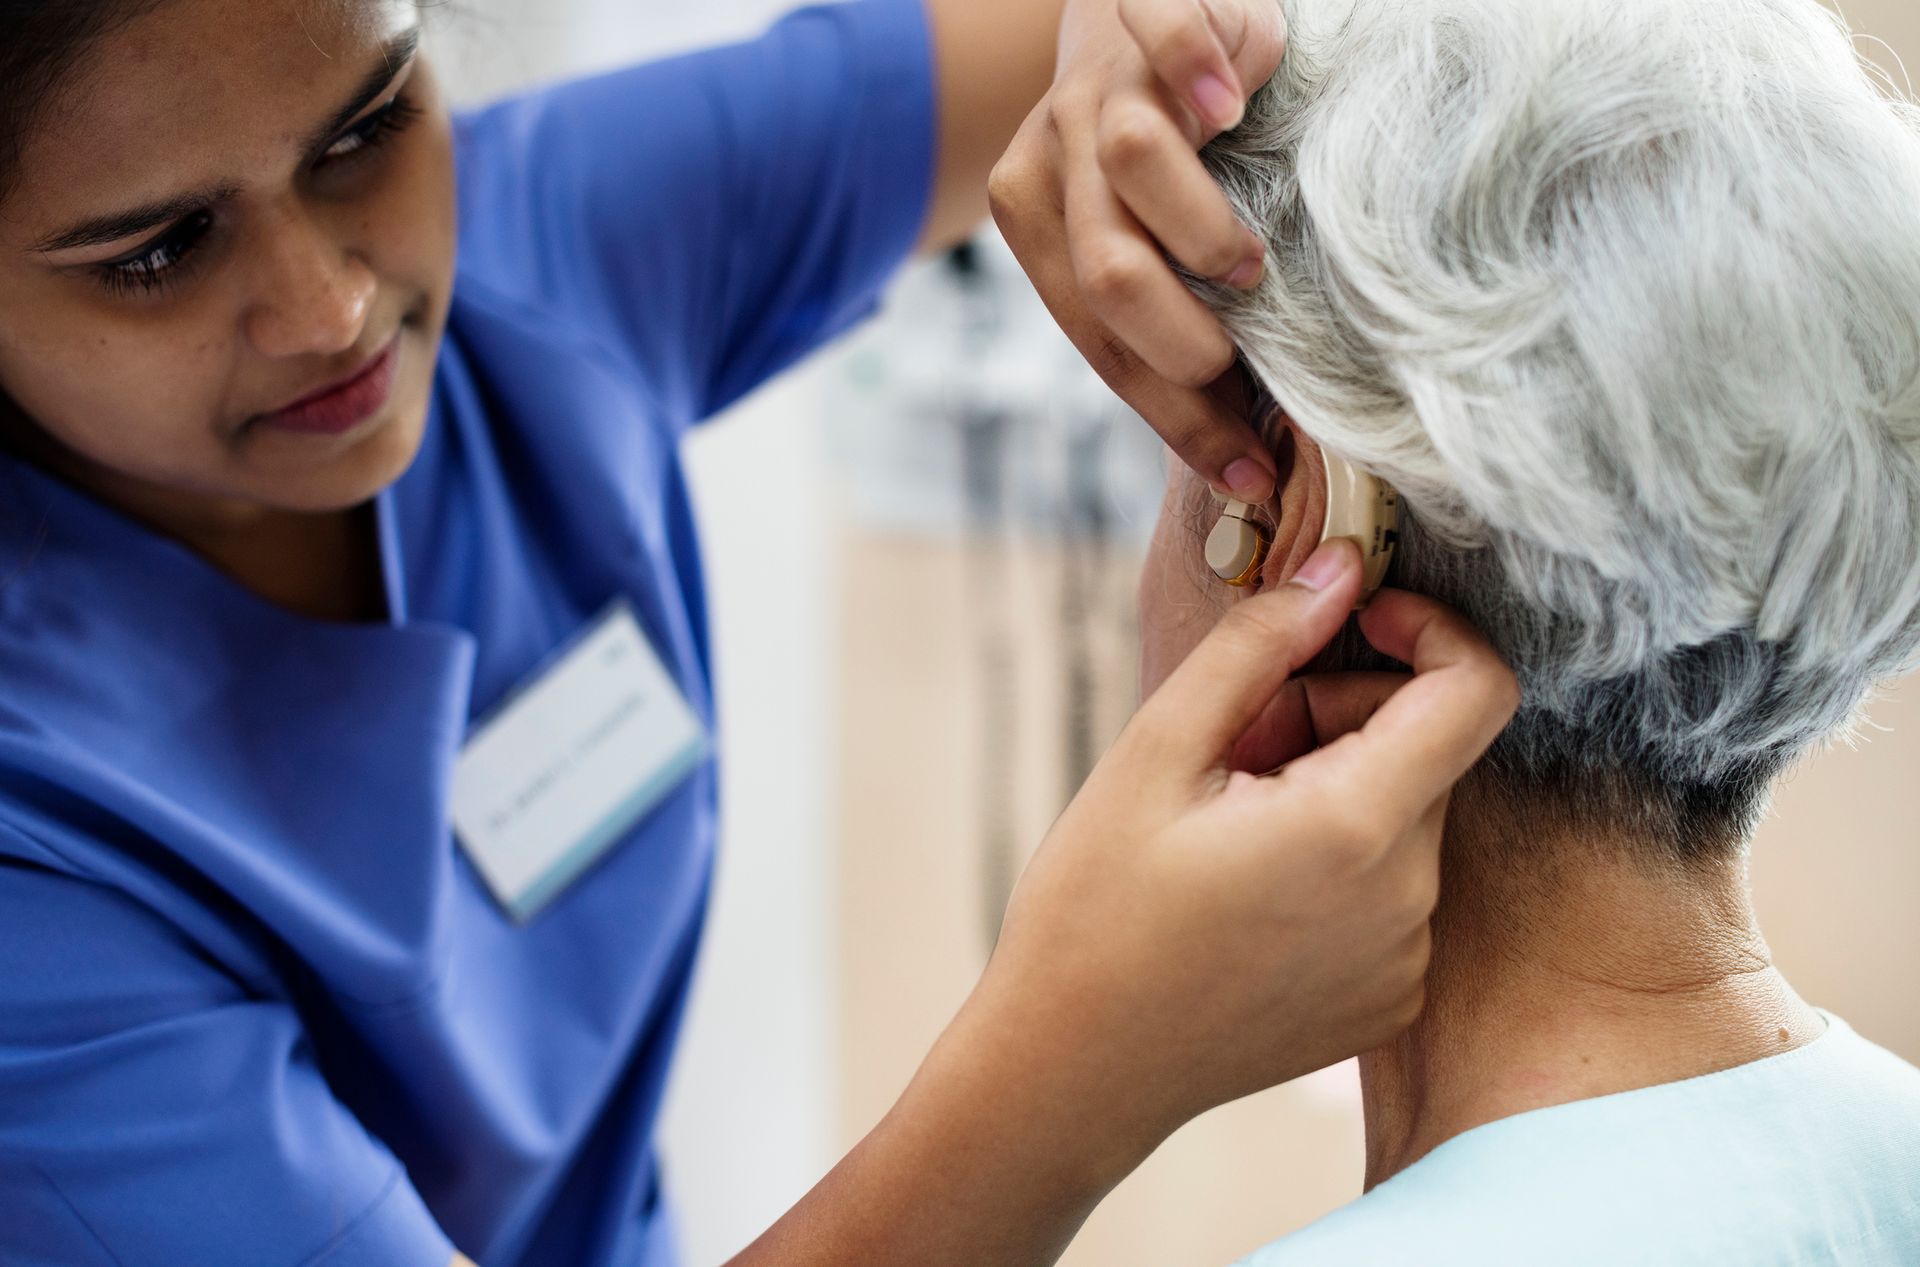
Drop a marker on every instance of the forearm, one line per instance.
(989, 1157)
(995, 60)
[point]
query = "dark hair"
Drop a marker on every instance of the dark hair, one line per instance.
(40, 40)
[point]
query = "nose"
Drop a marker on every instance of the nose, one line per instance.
(315, 295)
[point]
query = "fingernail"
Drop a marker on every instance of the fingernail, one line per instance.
(1247, 276)
(1218, 104)
(1322, 569)
(1248, 481)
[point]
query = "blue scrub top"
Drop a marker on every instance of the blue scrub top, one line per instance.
(256, 1007)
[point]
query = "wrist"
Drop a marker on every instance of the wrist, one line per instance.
(990, 1156)
(1068, 1113)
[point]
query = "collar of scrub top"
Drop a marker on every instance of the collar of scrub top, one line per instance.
(190, 709)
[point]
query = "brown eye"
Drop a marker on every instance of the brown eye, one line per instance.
(156, 263)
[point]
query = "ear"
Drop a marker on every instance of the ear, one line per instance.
(1298, 510)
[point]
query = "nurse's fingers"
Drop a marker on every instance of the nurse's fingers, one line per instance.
(1191, 724)
(1125, 280)
(1156, 175)
(1310, 712)
(1211, 53)
(1411, 751)
(1201, 426)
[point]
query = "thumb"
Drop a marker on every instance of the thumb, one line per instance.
(1194, 720)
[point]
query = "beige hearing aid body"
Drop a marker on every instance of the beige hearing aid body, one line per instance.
(1360, 507)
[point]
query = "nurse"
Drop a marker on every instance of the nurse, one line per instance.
(332, 521)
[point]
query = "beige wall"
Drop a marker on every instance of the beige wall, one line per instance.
(1895, 21)
(1837, 864)
(1835, 870)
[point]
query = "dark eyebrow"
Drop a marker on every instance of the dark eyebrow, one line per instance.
(124, 224)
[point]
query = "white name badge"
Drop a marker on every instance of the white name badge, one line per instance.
(568, 764)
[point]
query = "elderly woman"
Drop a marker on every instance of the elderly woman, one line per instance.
(1624, 297)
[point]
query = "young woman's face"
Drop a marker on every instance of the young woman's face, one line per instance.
(232, 209)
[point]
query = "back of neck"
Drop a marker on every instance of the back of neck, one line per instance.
(1571, 971)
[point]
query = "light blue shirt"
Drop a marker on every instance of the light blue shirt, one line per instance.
(1810, 1157)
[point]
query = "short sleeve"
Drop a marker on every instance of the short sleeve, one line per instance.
(716, 215)
(152, 1111)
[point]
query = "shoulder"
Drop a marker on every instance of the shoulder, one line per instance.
(712, 216)
(1860, 1069)
(1809, 1158)
(1454, 1208)
(1855, 1115)
(689, 145)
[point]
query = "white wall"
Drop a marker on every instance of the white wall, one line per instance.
(752, 1115)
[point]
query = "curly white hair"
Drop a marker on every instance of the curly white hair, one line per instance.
(1624, 295)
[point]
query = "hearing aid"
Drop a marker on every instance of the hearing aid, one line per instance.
(1237, 547)
(1360, 507)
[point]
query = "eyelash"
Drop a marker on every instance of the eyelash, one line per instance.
(370, 132)
(159, 262)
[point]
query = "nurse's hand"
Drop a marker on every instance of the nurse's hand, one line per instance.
(1104, 182)
(1187, 934)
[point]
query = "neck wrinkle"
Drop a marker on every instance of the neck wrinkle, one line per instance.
(1565, 969)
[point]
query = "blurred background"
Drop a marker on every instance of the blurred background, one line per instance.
(924, 638)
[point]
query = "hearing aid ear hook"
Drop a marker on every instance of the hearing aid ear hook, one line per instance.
(1361, 507)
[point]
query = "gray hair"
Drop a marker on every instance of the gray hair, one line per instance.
(1624, 295)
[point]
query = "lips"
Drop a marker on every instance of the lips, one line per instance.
(343, 404)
